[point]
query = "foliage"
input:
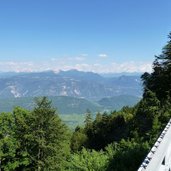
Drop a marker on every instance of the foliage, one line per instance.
(8, 144)
(159, 81)
(50, 142)
(126, 155)
(122, 156)
(33, 140)
(78, 140)
(146, 120)
(88, 160)
(104, 129)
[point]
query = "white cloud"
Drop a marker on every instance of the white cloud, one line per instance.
(132, 67)
(16, 66)
(63, 64)
(111, 68)
(103, 55)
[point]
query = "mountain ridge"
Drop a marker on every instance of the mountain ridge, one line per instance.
(73, 83)
(71, 105)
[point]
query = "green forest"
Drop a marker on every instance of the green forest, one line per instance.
(118, 141)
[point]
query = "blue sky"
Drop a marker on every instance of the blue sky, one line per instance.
(89, 35)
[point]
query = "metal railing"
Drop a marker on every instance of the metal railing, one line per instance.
(159, 157)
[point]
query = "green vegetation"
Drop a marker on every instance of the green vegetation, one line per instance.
(118, 141)
(71, 105)
(117, 102)
(33, 140)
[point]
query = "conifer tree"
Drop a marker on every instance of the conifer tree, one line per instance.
(159, 81)
(8, 143)
(50, 138)
(146, 118)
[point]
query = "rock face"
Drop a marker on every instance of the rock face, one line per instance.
(68, 83)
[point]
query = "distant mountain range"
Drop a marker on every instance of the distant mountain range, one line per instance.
(72, 83)
(70, 91)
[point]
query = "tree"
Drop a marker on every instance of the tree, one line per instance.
(126, 155)
(33, 140)
(159, 81)
(88, 120)
(48, 139)
(146, 121)
(8, 143)
(88, 160)
(78, 140)
(23, 133)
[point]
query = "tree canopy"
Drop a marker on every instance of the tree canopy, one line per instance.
(33, 140)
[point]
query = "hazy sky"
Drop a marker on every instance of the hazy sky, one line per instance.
(89, 35)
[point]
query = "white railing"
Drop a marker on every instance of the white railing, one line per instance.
(159, 157)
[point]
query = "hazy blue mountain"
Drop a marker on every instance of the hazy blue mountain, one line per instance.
(72, 83)
(71, 105)
(63, 104)
(117, 102)
(7, 74)
(109, 75)
(75, 74)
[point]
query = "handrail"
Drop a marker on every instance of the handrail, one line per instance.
(145, 164)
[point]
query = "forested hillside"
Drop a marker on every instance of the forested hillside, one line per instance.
(71, 105)
(118, 141)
